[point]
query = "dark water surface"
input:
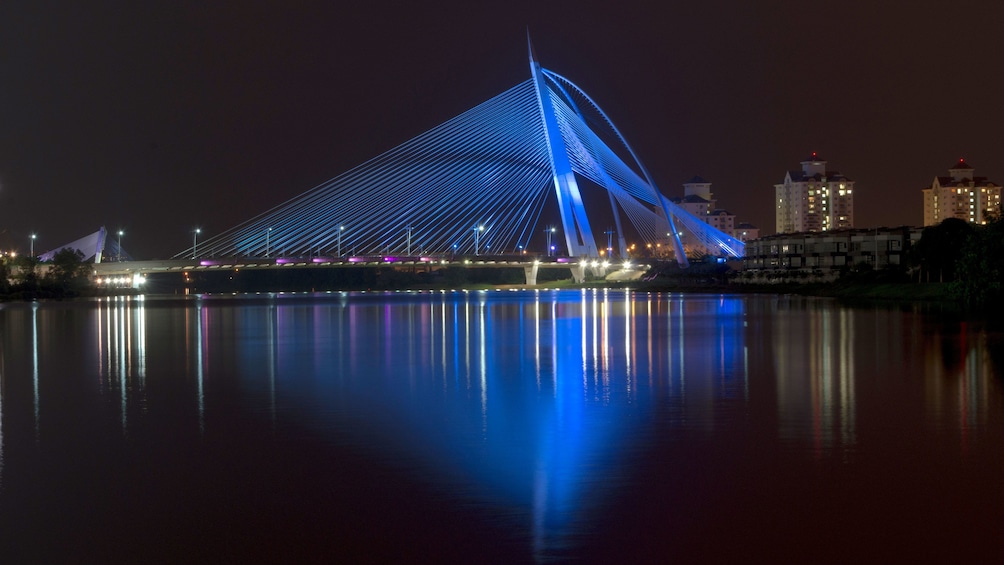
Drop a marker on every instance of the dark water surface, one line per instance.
(497, 426)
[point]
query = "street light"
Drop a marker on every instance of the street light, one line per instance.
(268, 236)
(195, 242)
(408, 252)
(33, 236)
(340, 230)
(121, 233)
(549, 231)
(477, 233)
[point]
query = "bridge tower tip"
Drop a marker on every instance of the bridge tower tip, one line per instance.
(529, 46)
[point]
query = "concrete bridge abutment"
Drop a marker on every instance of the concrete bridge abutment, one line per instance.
(530, 272)
(578, 273)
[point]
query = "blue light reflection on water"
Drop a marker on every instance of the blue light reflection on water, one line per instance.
(538, 408)
(510, 399)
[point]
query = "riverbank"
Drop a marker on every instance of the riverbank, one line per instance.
(901, 291)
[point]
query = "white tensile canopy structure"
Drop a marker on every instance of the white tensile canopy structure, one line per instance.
(91, 246)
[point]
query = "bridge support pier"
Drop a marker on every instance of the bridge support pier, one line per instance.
(531, 274)
(578, 273)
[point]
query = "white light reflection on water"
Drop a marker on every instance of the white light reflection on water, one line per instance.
(583, 321)
(628, 352)
(554, 348)
(121, 333)
(272, 346)
(483, 360)
(200, 364)
(442, 340)
(536, 337)
(34, 365)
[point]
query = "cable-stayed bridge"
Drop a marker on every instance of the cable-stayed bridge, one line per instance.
(478, 184)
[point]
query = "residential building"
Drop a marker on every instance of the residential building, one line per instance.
(746, 231)
(961, 195)
(697, 198)
(699, 201)
(830, 250)
(722, 220)
(814, 199)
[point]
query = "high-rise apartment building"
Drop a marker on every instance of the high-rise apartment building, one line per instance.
(814, 199)
(699, 201)
(961, 195)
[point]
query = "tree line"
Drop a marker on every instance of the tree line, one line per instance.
(970, 258)
(66, 275)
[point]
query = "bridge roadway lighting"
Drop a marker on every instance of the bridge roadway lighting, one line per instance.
(340, 230)
(33, 236)
(268, 234)
(195, 242)
(121, 233)
(408, 251)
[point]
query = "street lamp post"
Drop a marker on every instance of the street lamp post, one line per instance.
(549, 231)
(121, 233)
(268, 241)
(340, 230)
(33, 236)
(610, 242)
(477, 233)
(408, 253)
(195, 243)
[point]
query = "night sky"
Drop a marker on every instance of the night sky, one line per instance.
(156, 117)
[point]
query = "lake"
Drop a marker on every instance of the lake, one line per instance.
(497, 426)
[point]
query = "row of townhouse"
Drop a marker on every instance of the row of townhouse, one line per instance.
(879, 247)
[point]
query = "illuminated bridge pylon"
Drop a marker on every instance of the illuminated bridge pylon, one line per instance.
(477, 184)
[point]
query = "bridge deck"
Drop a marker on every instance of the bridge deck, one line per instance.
(207, 264)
